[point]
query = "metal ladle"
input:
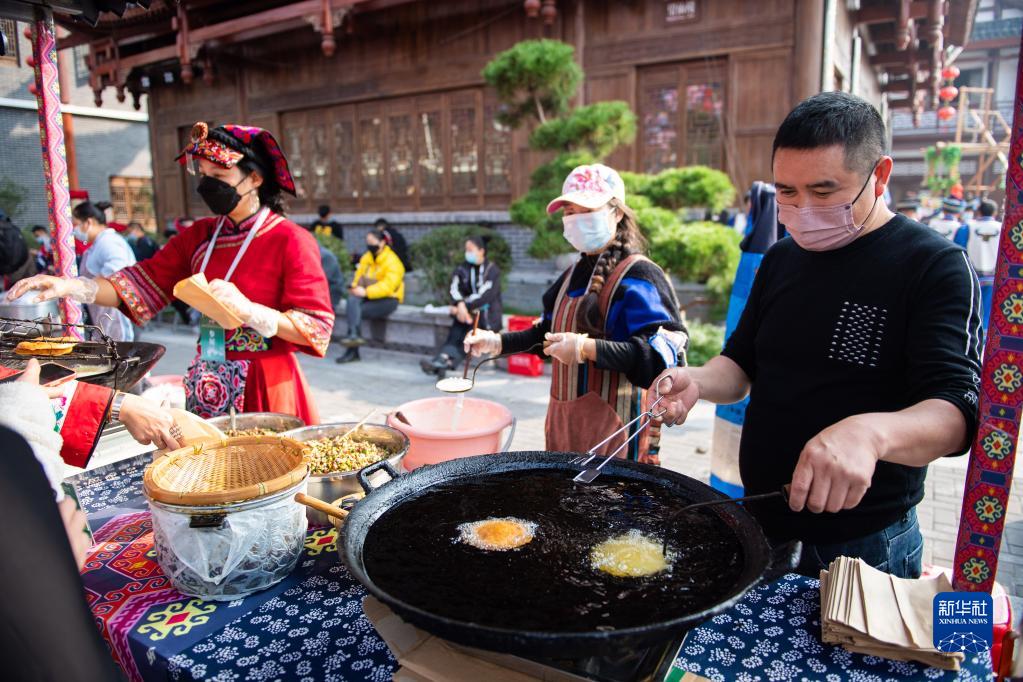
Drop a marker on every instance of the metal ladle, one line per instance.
(463, 384)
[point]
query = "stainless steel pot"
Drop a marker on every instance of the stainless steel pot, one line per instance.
(275, 421)
(331, 487)
(46, 314)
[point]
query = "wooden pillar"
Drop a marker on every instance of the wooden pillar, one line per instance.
(807, 54)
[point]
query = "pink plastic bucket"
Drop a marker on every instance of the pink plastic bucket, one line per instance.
(477, 430)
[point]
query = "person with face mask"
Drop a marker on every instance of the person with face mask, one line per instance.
(859, 349)
(107, 253)
(263, 267)
(43, 250)
(610, 324)
(475, 288)
(377, 288)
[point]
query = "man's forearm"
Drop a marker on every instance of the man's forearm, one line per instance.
(721, 381)
(919, 434)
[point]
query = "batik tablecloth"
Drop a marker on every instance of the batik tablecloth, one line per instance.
(311, 626)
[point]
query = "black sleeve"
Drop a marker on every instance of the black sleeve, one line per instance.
(44, 610)
(489, 290)
(944, 336)
(520, 342)
(455, 290)
(740, 345)
(337, 230)
(636, 358)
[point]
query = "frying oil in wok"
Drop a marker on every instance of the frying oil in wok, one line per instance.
(413, 552)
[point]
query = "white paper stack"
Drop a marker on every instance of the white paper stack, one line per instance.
(874, 613)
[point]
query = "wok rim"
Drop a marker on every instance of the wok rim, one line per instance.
(750, 576)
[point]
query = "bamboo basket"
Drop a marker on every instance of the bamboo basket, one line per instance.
(233, 470)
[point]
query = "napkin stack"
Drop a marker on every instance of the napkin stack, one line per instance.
(873, 613)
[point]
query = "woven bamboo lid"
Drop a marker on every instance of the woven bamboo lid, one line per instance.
(233, 470)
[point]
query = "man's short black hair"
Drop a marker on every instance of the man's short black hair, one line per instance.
(381, 224)
(988, 208)
(40, 228)
(835, 118)
(323, 210)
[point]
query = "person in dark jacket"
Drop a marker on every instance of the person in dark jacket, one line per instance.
(324, 225)
(335, 278)
(396, 240)
(475, 287)
(141, 243)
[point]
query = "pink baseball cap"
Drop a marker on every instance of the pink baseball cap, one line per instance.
(590, 186)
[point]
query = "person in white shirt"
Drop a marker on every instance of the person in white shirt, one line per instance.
(985, 232)
(948, 222)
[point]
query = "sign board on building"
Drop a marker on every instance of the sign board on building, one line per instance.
(681, 11)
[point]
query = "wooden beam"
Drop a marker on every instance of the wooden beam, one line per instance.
(900, 58)
(882, 14)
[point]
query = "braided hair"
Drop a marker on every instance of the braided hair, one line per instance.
(627, 240)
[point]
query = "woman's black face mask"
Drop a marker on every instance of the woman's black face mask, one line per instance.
(221, 197)
(373, 248)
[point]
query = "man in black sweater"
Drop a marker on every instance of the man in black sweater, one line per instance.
(859, 347)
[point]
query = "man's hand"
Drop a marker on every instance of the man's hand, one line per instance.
(679, 392)
(359, 291)
(835, 467)
(462, 313)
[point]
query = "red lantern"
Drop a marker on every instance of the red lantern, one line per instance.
(950, 73)
(956, 190)
(32, 88)
(30, 61)
(948, 93)
(532, 8)
(946, 113)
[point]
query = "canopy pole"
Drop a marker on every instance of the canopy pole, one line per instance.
(51, 134)
(989, 476)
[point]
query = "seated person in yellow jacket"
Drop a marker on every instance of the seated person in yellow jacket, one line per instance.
(377, 289)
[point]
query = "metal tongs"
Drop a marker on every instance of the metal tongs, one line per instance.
(587, 475)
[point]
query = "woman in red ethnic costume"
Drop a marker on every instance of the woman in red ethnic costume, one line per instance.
(261, 265)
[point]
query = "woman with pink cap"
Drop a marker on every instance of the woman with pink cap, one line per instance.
(610, 324)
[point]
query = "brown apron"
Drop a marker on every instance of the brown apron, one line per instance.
(587, 403)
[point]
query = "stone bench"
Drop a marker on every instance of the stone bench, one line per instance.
(408, 329)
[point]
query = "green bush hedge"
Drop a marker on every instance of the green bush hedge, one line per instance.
(340, 251)
(705, 341)
(437, 254)
(696, 252)
(689, 187)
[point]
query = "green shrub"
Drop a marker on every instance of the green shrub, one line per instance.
(705, 341)
(696, 252)
(534, 79)
(12, 198)
(691, 186)
(653, 220)
(596, 128)
(635, 184)
(437, 254)
(340, 251)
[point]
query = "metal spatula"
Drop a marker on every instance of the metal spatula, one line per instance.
(783, 493)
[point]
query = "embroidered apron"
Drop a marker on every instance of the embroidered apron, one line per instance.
(587, 403)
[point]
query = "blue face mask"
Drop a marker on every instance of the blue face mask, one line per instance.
(80, 234)
(589, 232)
(472, 258)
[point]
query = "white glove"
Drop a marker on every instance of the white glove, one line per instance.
(567, 347)
(256, 316)
(482, 342)
(81, 289)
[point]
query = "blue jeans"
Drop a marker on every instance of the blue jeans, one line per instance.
(897, 549)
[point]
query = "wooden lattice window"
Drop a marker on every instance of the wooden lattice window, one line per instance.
(9, 29)
(132, 200)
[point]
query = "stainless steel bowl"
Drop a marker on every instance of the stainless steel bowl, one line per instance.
(331, 487)
(275, 421)
(45, 315)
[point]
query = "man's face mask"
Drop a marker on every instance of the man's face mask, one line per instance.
(825, 228)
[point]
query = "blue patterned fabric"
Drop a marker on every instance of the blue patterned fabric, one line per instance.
(773, 634)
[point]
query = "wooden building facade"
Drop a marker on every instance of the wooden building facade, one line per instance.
(381, 107)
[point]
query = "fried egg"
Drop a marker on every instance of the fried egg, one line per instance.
(497, 534)
(629, 555)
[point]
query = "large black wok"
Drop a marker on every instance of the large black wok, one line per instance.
(753, 562)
